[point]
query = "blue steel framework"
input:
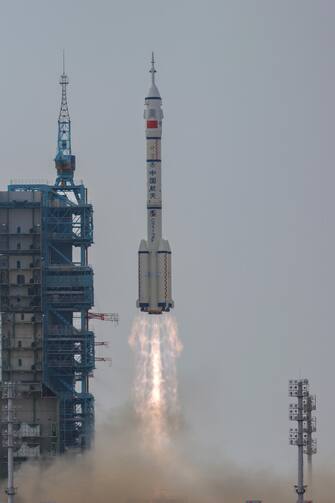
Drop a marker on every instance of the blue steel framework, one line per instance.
(66, 297)
(66, 291)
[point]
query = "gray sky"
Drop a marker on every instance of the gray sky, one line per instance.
(248, 187)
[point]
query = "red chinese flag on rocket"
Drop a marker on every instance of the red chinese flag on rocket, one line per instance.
(152, 124)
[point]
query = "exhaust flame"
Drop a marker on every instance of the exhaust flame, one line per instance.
(156, 345)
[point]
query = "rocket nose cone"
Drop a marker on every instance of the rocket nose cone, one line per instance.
(153, 92)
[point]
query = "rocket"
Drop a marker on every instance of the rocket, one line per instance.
(154, 255)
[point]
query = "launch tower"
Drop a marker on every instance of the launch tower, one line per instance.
(46, 291)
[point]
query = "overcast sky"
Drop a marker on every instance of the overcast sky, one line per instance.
(248, 186)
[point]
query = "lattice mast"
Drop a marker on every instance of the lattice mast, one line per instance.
(65, 161)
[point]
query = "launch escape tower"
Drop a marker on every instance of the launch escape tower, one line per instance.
(46, 290)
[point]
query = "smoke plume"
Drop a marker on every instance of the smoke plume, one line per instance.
(120, 469)
(144, 451)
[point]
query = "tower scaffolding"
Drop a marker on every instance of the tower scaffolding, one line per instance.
(46, 293)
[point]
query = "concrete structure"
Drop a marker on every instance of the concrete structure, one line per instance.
(46, 290)
(154, 255)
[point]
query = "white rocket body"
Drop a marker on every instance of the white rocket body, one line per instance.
(154, 255)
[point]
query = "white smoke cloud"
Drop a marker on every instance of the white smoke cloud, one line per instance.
(144, 451)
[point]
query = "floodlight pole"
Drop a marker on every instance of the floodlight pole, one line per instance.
(311, 447)
(309, 439)
(298, 388)
(302, 437)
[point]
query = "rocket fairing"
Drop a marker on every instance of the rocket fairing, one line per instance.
(154, 254)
